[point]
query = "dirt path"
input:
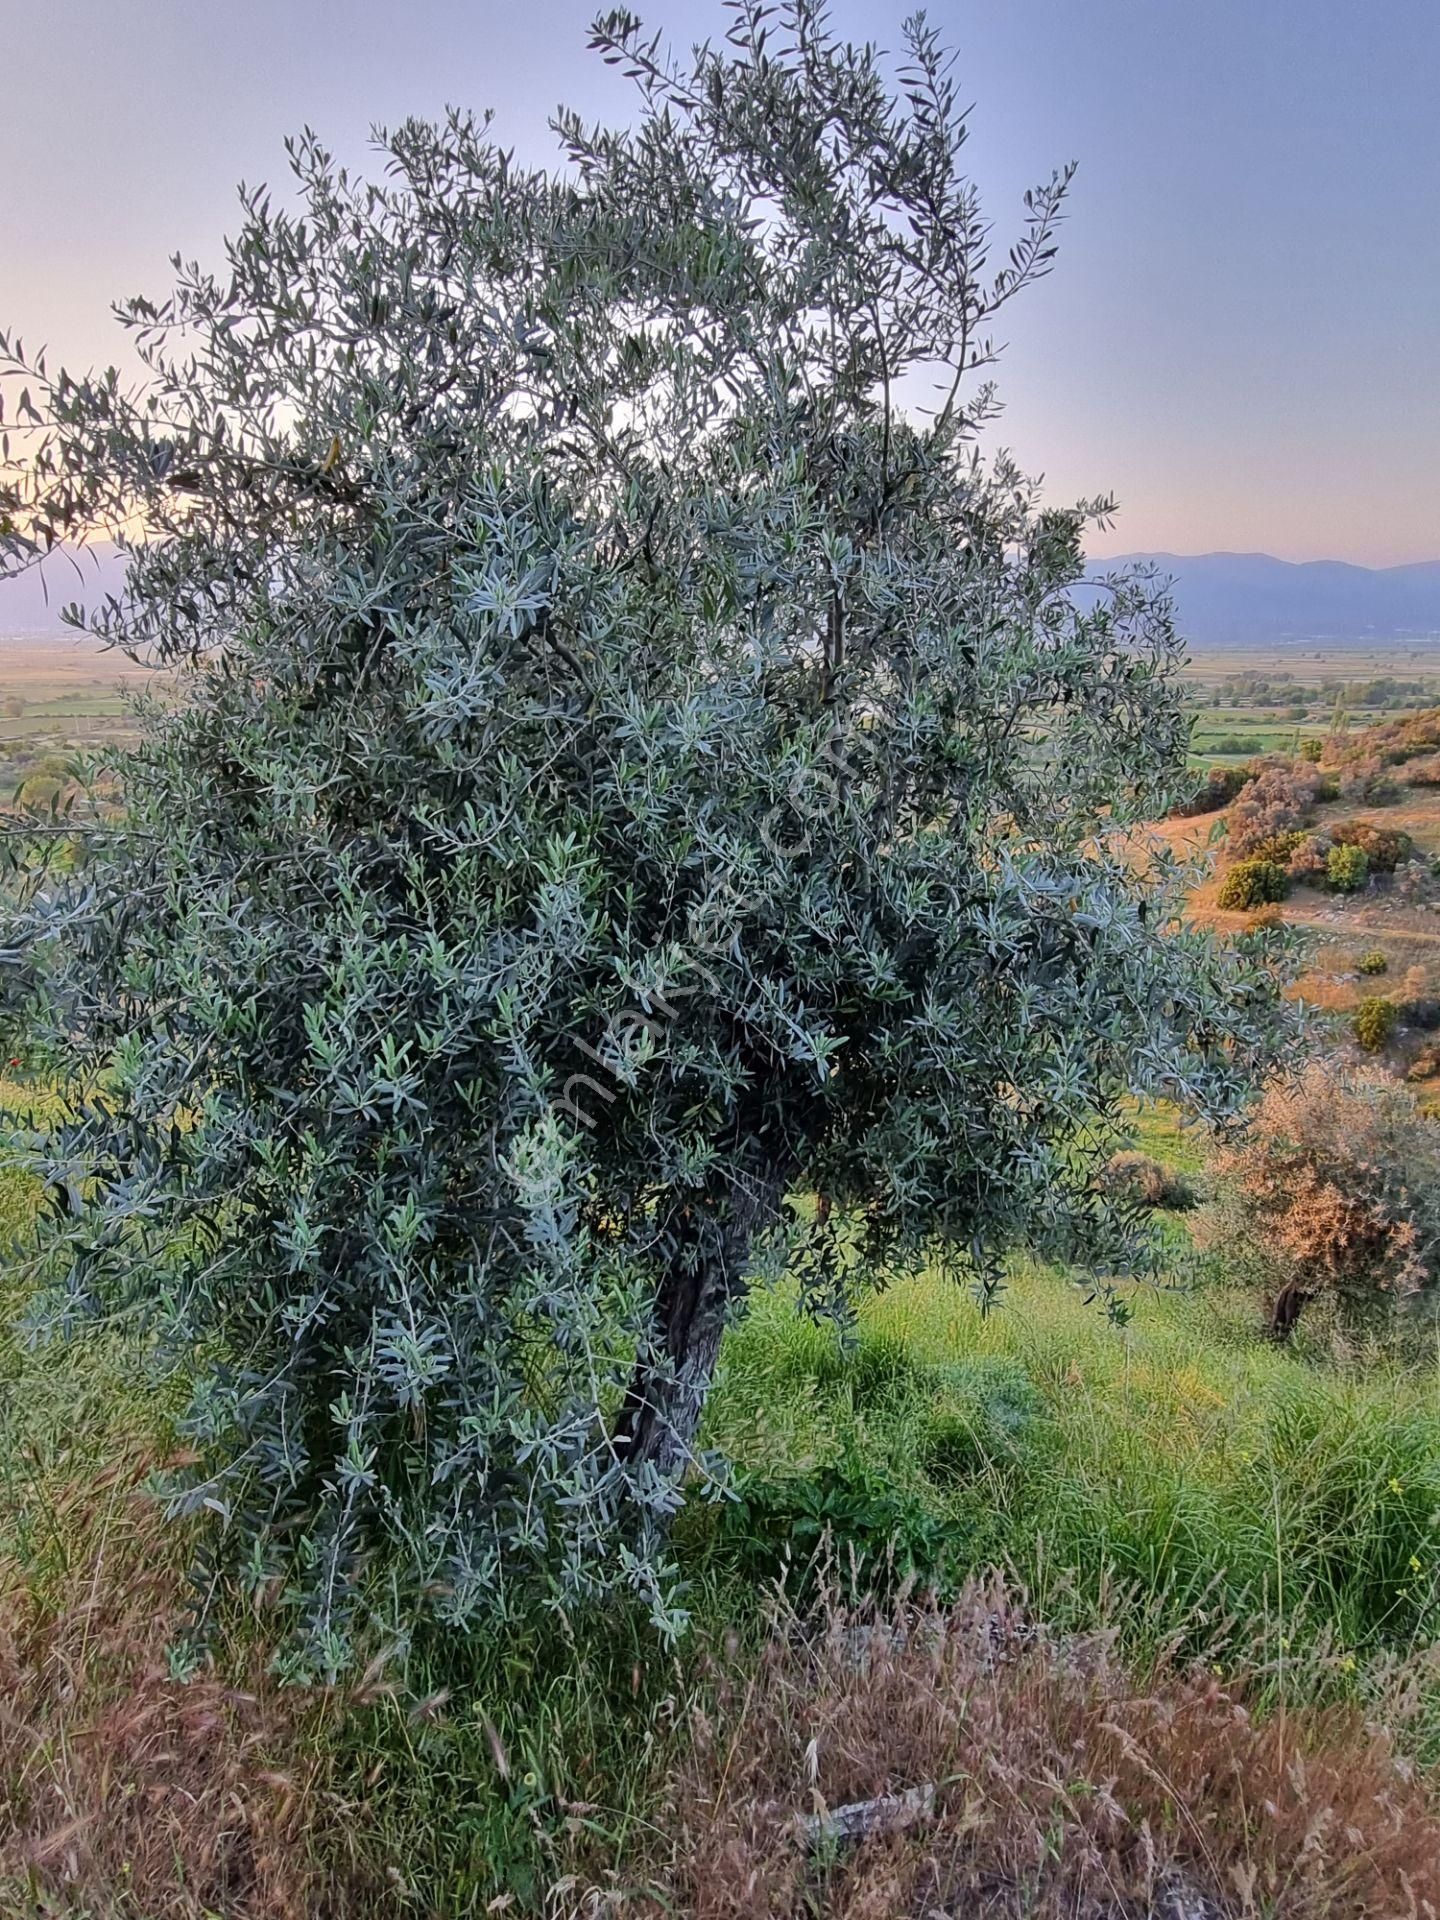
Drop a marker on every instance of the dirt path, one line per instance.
(1317, 920)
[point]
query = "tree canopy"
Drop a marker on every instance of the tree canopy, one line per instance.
(625, 759)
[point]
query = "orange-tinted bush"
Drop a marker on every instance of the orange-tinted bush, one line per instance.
(1337, 1184)
(1414, 734)
(1383, 847)
(1370, 777)
(1028, 1776)
(1280, 798)
(1306, 864)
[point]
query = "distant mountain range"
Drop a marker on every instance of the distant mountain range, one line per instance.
(1239, 599)
(1223, 599)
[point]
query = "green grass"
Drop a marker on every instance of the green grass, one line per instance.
(1159, 1130)
(1261, 729)
(499, 1754)
(1179, 1452)
(69, 1409)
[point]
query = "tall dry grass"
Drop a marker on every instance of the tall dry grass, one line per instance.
(1067, 1782)
(124, 1789)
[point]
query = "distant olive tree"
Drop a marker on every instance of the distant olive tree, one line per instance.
(622, 768)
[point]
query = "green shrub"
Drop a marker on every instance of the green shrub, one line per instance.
(1279, 847)
(1383, 847)
(845, 1523)
(1310, 750)
(1218, 788)
(1346, 869)
(1373, 962)
(1253, 883)
(1374, 1022)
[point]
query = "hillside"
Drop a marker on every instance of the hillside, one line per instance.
(1129, 1616)
(1378, 941)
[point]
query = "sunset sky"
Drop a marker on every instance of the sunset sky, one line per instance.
(1240, 339)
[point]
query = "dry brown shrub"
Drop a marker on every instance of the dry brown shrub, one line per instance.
(1337, 1184)
(1149, 1180)
(1279, 800)
(1066, 1782)
(1371, 777)
(1307, 859)
(1407, 736)
(123, 1790)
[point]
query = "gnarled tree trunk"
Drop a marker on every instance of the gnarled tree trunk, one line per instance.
(704, 1276)
(1285, 1311)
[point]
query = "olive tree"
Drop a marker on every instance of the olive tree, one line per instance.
(624, 761)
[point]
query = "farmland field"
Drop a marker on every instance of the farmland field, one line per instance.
(1267, 700)
(59, 694)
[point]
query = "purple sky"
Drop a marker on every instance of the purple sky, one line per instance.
(1242, 336)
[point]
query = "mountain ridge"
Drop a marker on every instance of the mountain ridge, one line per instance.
(1222, 598)
(1231, 599)
(1269, 560)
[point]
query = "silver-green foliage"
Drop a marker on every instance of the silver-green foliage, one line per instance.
(625, 768)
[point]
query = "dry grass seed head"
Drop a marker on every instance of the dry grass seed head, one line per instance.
(1067, 1782)
(123, 1788)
